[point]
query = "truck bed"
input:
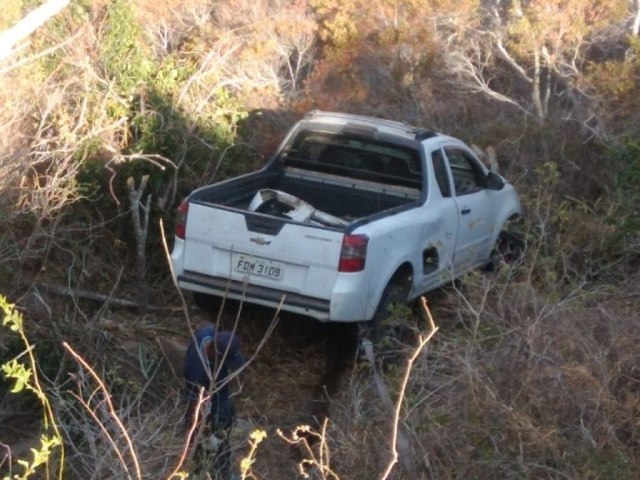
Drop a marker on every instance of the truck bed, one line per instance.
(349, 199)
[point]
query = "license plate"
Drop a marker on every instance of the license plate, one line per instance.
(258, 266)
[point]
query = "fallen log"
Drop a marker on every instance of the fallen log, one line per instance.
(95, 296)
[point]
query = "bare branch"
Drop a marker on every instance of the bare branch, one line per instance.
(401, 450)
(488, 156)
(397, 441)
(95, 296)
(473, 78)
(110, 406)
(29, 24)
(140, 220)
(504, 54)
(41, 54)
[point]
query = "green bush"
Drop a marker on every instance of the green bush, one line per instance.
(626, 159)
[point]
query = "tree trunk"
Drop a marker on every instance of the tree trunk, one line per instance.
(140, 219)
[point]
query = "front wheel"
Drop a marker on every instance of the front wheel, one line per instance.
(509, 250)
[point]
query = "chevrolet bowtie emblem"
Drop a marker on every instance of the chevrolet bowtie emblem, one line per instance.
(260, 240)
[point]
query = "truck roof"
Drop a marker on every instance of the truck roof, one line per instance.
(390, 127)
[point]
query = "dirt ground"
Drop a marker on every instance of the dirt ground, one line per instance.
(284, 383)
(275, 391)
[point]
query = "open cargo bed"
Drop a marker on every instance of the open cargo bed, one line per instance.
(348, 199)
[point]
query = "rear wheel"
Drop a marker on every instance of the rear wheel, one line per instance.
(390, 316)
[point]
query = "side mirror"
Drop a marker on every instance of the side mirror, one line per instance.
(494, 181)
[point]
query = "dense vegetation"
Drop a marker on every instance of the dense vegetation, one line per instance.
(115, 109)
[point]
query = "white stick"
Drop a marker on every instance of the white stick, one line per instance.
(25, 27)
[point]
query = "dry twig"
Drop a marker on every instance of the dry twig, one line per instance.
(400, 447)
(111, 408)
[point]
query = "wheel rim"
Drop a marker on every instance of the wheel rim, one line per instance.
(509, 248)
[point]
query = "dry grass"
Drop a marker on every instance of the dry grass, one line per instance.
(509, 396)
(534, 373)
(524, 380)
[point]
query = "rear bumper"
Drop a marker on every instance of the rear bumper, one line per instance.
(346, 303)
(317, 308)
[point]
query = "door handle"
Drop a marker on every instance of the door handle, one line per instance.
(465, 210)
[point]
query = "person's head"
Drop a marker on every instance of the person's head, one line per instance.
(226, 347)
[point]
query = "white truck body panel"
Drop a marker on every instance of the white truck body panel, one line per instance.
(430, 232)
(308, 257)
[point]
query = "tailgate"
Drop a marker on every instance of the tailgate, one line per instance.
(262, 250)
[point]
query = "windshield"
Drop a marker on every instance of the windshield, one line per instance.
(355, 157)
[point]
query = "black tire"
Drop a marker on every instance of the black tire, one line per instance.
(509, 250)
(382, 325)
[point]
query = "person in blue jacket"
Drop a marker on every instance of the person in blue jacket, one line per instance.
(211, 355)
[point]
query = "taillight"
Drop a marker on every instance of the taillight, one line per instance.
(181, 219)
(353, 253)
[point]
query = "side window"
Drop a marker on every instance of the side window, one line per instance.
(440, 168)
(468, 175)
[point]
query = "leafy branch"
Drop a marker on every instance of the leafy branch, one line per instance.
(26, 378)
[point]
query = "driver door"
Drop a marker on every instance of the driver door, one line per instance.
(439, 230)
(473, 203)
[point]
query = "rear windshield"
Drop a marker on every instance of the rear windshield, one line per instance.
(355, 158)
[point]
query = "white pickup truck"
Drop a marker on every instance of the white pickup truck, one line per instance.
(350, 214)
